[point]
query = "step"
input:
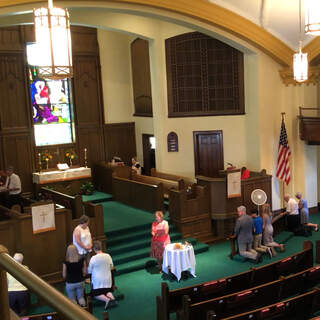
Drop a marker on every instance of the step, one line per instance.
(129, 236)
(137, 243)
(146, 262)
(139, 253)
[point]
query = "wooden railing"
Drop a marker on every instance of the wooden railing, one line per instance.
(51, 296)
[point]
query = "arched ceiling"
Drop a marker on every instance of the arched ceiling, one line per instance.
(270, 25)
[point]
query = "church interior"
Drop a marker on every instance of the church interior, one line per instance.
(164, 106)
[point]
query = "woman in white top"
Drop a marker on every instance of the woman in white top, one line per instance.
(82, 237)
(100, 267)
(18, 294)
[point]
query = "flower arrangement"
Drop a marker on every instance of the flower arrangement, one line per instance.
(45, 156)
(70, 155)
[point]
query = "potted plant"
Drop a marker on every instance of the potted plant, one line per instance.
(87, 188)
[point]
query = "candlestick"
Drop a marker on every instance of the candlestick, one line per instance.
(85, 158)
(40, 168)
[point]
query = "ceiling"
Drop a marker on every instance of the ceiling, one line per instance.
(279, 17)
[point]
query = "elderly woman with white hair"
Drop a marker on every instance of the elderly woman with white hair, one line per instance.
(18, 293)
(304, 212)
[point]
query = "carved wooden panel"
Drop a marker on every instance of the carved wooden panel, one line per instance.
(120, 141)
(10, 39)
(87, 90)
(18, 151)
(141, 78)
(172, 141)
(92, 139)
(84, 40)
(204, 76)
(14, 112)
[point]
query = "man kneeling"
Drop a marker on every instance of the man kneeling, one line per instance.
(244, 233)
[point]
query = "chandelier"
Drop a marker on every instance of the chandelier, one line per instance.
(312, 17)
(52, 29)
(300, 60)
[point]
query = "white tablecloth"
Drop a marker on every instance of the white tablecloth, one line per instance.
(178, 260)
(50, 176)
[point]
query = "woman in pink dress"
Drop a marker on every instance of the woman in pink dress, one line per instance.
(160, 238)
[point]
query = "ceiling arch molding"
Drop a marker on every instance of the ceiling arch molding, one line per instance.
(201, 10)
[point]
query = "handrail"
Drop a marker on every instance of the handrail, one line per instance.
(54, 298)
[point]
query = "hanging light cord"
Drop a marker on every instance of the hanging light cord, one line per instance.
(300, 38)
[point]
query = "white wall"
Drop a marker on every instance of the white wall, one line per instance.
(116, 76)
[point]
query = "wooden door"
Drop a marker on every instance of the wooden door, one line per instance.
(149, 160)
(208, 152)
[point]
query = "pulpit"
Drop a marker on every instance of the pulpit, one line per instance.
(223, 209)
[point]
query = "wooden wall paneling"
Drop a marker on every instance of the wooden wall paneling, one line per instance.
(11, 39)
(84, 40)
(92, 139)
(141, 81)
(14, 112)
(87, 90)
(120, 140)
(18, 152)
(7, 235)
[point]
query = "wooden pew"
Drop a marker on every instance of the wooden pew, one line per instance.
(188, 182)
(74, 203)
(171, 301)
(137, 194)
(252, 298)
(297, 308)
(167, 184)
(190, 212)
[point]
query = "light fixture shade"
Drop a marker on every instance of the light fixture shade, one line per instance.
(300, 66)
(52, 29)
(312, 17)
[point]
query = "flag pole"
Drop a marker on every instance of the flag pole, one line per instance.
(282, 200)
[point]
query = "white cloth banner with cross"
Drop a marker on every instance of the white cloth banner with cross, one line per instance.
(43, 219)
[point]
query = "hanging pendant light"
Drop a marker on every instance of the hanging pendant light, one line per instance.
(52, 29)
(300, 60)
(312, 17)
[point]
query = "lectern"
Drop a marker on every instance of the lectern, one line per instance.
(223, 209)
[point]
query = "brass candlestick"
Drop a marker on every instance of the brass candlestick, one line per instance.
(85, 158)
(40, 166)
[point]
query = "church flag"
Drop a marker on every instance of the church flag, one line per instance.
(284, 153)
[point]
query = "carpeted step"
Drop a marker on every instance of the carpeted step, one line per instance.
(116, 238)
(135, 243)
(147, 262)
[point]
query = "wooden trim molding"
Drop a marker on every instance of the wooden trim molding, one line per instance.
(210, 13)
(287, 76)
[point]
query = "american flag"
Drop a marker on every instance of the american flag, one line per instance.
(284, 153)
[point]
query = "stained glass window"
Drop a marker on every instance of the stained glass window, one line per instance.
(52, 107)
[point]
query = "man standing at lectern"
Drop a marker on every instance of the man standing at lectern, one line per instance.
(244, 232)
(13, 187)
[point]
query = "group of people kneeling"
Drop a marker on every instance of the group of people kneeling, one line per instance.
(254, 233)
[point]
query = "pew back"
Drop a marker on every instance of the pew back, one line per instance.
(188, 182)
(255, 297)
(171, 301)
(137, 194)
(297, 308)
(167, 184)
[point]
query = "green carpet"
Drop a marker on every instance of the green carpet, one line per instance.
(141, 287)
(97, 197)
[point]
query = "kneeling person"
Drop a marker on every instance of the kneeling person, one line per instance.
(244, 232)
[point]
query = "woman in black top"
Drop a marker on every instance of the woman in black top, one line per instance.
(73, 271)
